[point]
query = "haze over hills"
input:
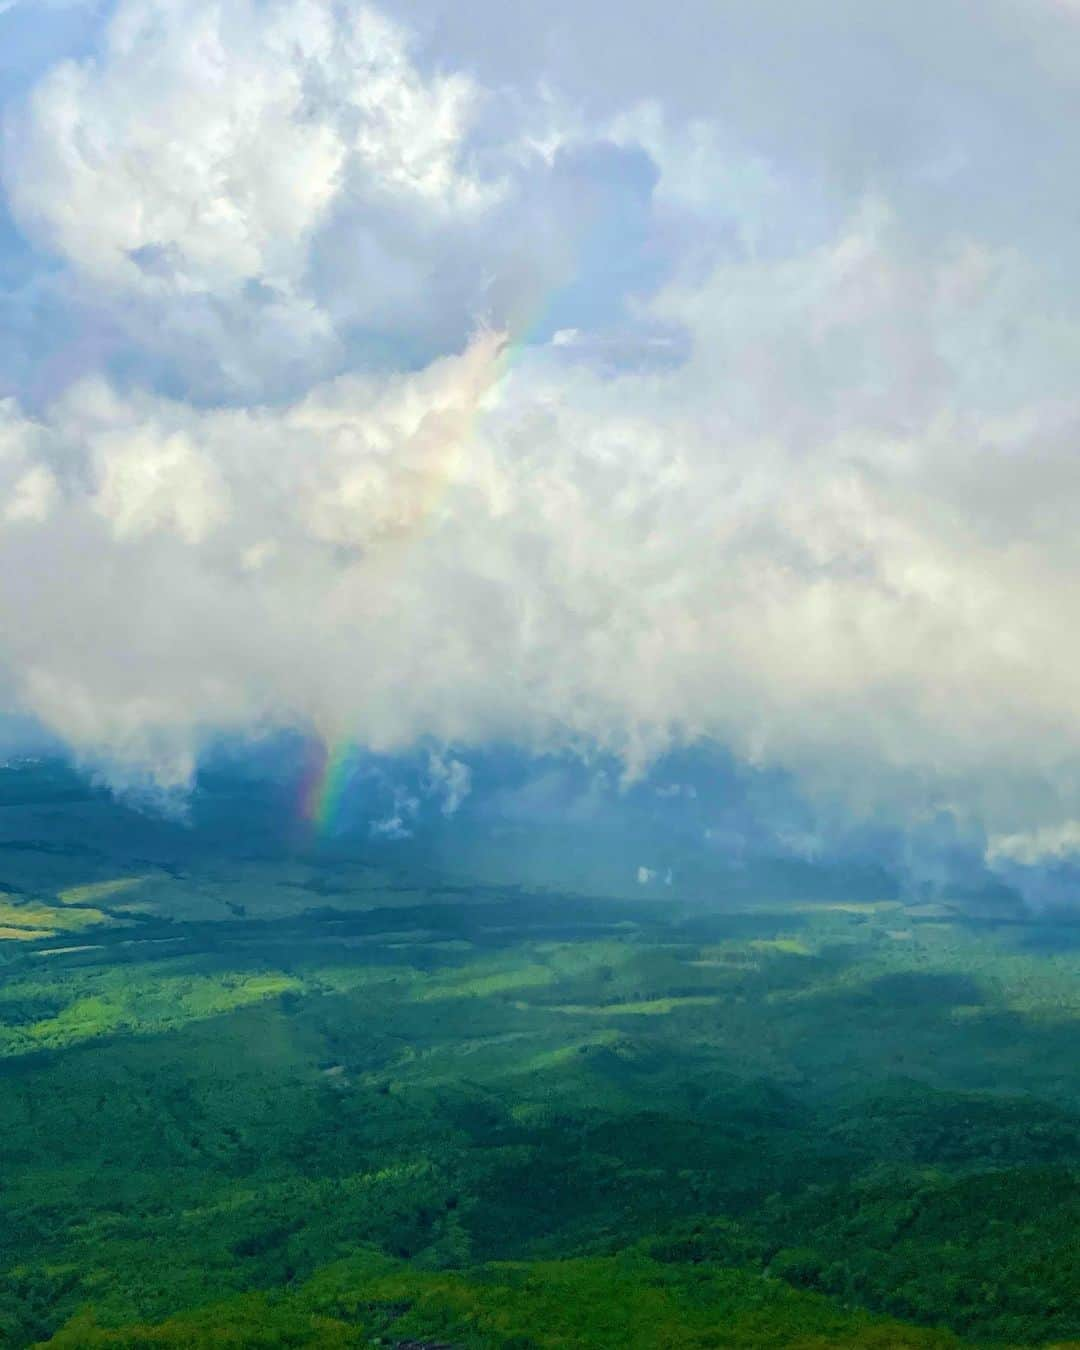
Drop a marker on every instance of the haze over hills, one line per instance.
(695, 826)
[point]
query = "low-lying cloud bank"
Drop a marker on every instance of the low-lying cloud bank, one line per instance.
(393, 402)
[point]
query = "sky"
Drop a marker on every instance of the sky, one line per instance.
(600, 380)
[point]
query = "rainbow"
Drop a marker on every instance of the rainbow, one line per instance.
(323, 784)
(329, 769)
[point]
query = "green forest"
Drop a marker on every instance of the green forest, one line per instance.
(260, 1100)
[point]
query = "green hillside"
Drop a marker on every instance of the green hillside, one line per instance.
(468, 1117)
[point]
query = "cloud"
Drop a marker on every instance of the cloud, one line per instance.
(1031, 847)
(434, 405)
(186, 171)
(398, 823)
(296, 195)
(556, 557)
(451, 780)
(187, 196)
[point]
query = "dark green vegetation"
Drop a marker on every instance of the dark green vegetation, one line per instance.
(262, 1101)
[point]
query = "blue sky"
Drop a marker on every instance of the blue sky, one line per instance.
(596, 379)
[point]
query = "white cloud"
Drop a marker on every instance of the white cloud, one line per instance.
(398, 823)
(563, 558)
(805, 485)
(451, 779)
(1051, 843)
(210, 140)
(27, 484)
(32, 495)
(187, 173)
(148, 481)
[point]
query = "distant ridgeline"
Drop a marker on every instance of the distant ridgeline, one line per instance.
(699, 824)
(264, 1084)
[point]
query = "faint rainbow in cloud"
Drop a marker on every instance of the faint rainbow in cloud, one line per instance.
(320, 799)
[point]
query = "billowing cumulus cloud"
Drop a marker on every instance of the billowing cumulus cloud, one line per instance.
(438, 404)
(209, 141)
